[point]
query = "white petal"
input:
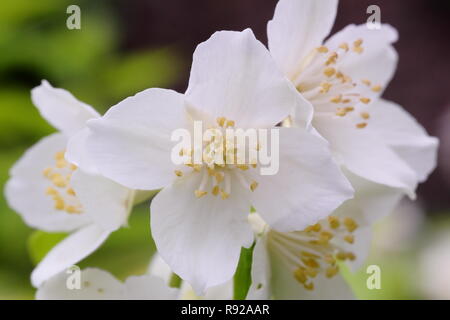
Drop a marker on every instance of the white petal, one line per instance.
(158, 267)
(260, 288)
(106, 202)
(77, 152)
(374, 200)
(377, 62)
(234, 76)
(132, 144)
(148, 287)
(26, 189)
(200, 238)
(69, 251)
(405, 135)
(365, 154)
(285, 287)
(96, 284)
(297, 28)
(61, 109)
(307, 187)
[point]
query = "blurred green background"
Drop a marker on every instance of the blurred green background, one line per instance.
(127, 46)
(35, 44)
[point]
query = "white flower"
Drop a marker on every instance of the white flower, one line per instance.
(220, 292)
(199, 220)
(343, 78)
(434, 267)
(305, 264)
(96, 284)
(53, 195)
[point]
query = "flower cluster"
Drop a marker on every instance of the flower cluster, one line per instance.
(346, 157)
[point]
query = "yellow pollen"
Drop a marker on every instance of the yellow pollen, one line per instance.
(47, 172)
(243, 167)
(178, 173)
(59, 203)
(300, 275)
(230, 123)
(253, 185)
(224, 195)
(376, 88)
(349, 238)
(59, 181)
(365, 115)
(329, 72)
(309, 286)
(71, 192)
(364, 100)
(358, 43)
(326, 86)
(61, 163)
(361, 125)
(215, 191)
(51, 191)
(341, 255)
(59, 155)
(72, 210)
(358, 49)
(336, 99)
(351, 256)
(331, 59)
(325, 235)
(333, 222)
(344, 46)
(219, 177)
(349, 109)
(346, 101)
(350, 224)
(73, 167)
(200, 193)
(331, 271)
(221, 121)
(322, 49)
(341, 112)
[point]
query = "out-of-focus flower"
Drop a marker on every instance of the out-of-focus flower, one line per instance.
(434, 267)
(399, 230)
(199, 220)
(305, 264)
(53, 195)
(96, 284)
(343, 79)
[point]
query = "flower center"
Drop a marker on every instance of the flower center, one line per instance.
(64, 197)
(321, 81)
(223, 160)
(316, 249)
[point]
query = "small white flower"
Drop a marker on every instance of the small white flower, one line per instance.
(343, 78)
(53, 195)
(305, 264)
(97, 284)
(199, 220)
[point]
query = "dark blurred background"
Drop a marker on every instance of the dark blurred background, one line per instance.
(125, 46)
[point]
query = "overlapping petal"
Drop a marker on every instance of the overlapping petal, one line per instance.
(132, 145)
(296, 29)
(200, 239)
(61, 109)
(234, 76)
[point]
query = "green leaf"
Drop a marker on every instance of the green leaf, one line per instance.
(175, 281)
(40, 243)
(243, 277)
